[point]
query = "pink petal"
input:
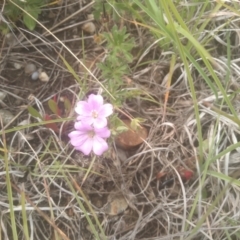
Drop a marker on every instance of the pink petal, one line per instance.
(100, 122)
(86, 146)
(106, 110)
(81, 106)
(95, 102)
(103, 132)
(99, 145)
(74, 134)
(79, 141)
(81, 127)
(79, 118)
(87, 120)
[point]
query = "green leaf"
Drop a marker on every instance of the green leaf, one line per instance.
(70, 69)
(34, 113)
(12, 11)
(121, 129)
(30, 21)
(67, 105)
(53, 106)
(135, 123)
(204, 193)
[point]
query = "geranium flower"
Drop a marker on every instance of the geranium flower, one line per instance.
(87, 138)
(93, 111)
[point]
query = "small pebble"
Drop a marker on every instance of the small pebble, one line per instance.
(35, 75)
(30, 68)
(16, 91)
(17, 66)
(11, 39)
(6, 116)
(18, 102)
(90, 16)
(2, 95)
(43, 77)
(89, 27)
(116, 206)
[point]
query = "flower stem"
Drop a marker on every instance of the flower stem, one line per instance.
(89, 169)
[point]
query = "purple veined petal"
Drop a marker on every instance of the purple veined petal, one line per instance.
(79, 141)
(103, 132)
(74, 134)
(95, 102)
(74, 137)
(99, 145)
(81, 105)
(86, 147)
(100, 122)
(79, 118)
(106, 110)
(87, 120)
(82, 127)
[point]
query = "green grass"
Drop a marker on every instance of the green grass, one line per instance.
(187, 33)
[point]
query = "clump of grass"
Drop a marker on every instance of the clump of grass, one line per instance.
(174, 26)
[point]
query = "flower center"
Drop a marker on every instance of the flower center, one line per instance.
(91, 134)
(94, 114)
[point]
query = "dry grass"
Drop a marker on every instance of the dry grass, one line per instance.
(50, 197)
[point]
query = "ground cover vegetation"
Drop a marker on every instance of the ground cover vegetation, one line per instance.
(119, 119)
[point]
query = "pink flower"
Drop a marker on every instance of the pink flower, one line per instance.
(87, 138)
(93, 111)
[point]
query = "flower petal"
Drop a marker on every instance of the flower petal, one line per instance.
(79, 118)
(79, 141)
(99, 145)
(106, 110)
(100, 122)
(86, 120)
(103, 132)
(95, 101)
(86, 146)
(81, 107)
(74, 134)
(82, 127)
(74, 137)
